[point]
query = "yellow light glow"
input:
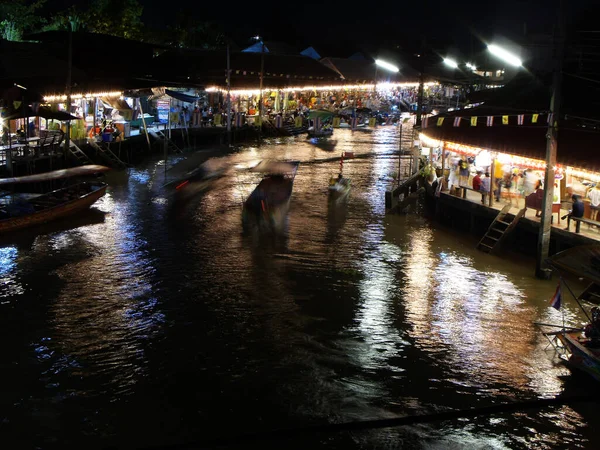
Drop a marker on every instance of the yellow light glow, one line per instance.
(579, 173)
(513, 160)
(339, 87)
(79, 96)
(429, 142)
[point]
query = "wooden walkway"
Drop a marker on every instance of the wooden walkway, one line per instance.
(587, 230)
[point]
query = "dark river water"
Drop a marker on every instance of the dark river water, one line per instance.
(153, 325)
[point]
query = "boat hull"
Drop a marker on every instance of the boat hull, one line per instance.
(60, 210)
(581, 357)
(339, 190)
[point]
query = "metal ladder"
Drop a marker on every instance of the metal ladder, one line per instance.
(160, 137)
(108, 155)
(78, 154)
(500, 227)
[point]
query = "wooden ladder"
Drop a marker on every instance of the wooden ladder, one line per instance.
(78, 154)
(108, 155)
(500, 227)
(160, 137)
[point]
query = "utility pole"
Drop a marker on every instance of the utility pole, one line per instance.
(228, 98)
(262, 71)
(421, 85)
(541, 268)
(68, 87)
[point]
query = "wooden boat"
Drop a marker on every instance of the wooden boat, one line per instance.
(268, 203)
(320, 133)
(578, 347)
(317, 118)
(20, 211)
(339, 187)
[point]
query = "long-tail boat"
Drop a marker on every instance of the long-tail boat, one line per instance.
(18, 211)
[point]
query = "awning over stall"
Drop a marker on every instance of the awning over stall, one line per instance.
(116, 103)
(181, 96)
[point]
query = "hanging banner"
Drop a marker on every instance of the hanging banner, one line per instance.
(504, 120)
(162, 106)
(298, 122)
(372, 122)
(474, 121)
(217, 119)
(336, 122)
(440, 121)
(534, 118)
(490, 121)
(520, 119)
(457, 121)
(550, 117)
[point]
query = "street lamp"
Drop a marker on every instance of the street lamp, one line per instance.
(386, 65)
(504, 55)
(541, 269)
(451, 63)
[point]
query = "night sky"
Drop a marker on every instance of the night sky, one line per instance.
(347, 26)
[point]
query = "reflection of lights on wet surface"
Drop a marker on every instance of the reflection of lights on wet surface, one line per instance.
(9, 286)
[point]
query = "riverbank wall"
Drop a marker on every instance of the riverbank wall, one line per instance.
(466, 216)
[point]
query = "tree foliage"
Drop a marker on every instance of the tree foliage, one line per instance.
(18, 16)
(204, 35)
(121, 18)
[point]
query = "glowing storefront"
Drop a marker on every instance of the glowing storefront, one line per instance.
(514, 143)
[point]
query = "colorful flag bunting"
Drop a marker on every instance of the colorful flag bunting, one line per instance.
(504, 120)
(520, 119)
(490, 121)
(457, 121)
(556, 298)
(474, 121)
(440, 121)
(534, 118)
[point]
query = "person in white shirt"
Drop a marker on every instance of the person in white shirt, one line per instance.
(594, 196)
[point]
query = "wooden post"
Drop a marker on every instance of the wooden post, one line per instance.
(69, 71)
(145, 128)
(541, 268)
(492, 182)
(228, 98)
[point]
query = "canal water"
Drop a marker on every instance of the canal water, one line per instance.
(150, 322)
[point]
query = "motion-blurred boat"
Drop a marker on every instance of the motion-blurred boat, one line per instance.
(339, 187)
(19, 211)
(268, 203)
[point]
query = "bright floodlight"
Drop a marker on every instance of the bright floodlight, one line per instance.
(471, 66)
(504, 55)
(450, 63)
(386, 65)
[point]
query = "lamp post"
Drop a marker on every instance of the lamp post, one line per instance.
(384, 65)
(543, 245)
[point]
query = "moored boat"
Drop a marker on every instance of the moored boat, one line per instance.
(21, 211)
(321, 123)
(578, 347)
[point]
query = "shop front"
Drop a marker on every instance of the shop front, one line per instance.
(512, 177)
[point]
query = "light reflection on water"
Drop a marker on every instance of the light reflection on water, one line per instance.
(171, 319)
